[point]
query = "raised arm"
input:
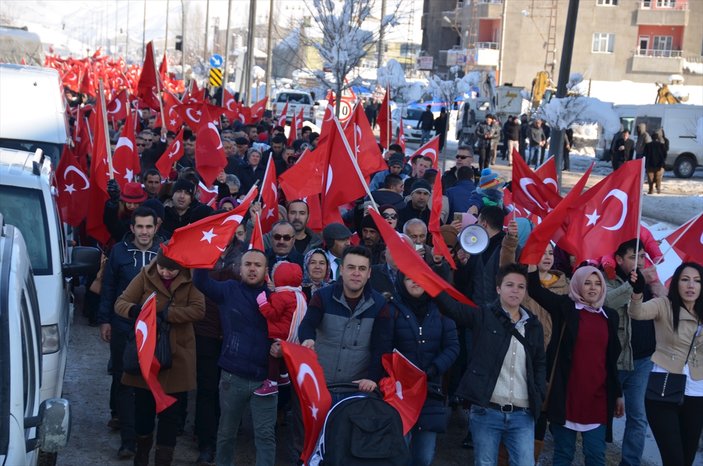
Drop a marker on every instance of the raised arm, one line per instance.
(464, 315)
(211, 288)
(550, 301)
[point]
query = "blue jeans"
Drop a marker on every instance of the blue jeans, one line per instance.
(516, 430)
(534, 155)
(565, 445)
(634, 385)
(235, 394)
(422, 446)
(426, 135)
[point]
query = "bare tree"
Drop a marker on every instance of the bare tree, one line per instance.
(344, 42)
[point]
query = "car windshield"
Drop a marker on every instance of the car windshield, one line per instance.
(53, 151)
(413, 114)
(294, 98)
(23, 208)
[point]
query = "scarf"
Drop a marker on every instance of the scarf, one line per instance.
(577, 284)
(301, 307)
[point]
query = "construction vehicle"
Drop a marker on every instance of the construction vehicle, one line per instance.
(665, 96)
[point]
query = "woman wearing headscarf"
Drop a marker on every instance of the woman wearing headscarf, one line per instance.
(678, 327)
(316, 271)
(429, 340)
(585, 392)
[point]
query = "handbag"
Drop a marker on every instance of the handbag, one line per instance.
(666, 386)
(162, 351)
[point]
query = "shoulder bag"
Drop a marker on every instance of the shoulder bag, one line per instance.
(162, 351)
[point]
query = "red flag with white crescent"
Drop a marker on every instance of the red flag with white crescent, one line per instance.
(529, 190)
(73, 188)
(171, 116)
(282, 116)
(547, 173)
(440, 246)
(687, 240)
(385, 121)
(210, 158)
(430, 150)
(363, 142)
(401, 135)
(173, 154)
(207, 196)
(308, 380)
(125, 160)
(269, 197)
(295, 125)
(118, 107)
(257, 236)
(405, 388)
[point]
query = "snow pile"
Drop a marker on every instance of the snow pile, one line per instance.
(391, 75)
(693, 67)
(563, 112)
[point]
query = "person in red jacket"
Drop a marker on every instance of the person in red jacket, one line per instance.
(284, 311)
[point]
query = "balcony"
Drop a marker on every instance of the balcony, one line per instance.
(649, 13)
(657, 61)
(492, 9)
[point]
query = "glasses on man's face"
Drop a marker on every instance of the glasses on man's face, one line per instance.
(278, 237)
(390, 216)
(462, 157)
(141, 145)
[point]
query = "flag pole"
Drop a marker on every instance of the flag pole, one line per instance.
(158, 96)
(639, 214)
(688, 224)
(103, 116)
(354, 162)
(266, 172)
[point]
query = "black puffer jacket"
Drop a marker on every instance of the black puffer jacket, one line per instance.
(491, 335)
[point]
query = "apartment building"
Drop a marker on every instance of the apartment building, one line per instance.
(643, 41)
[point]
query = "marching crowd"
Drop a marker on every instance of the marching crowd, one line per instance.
(559, 345)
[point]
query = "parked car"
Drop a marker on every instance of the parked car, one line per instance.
(27, 202)
(296, 100)
(31, 431)
(679, 123)
(411, 115)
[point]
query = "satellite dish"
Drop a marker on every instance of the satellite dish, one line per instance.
(473, 239)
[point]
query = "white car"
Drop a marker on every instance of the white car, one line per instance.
(28, 203)
(31, 431)
(296, 100)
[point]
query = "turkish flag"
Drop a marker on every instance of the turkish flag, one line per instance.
(73, 188)
(282, 116)
(207, 196)
(687, 240)
(257, 236)
(257, 111)
(324, 126)
(269, 197)
(606, 215)
(173, 154)
(195, 95)
(70, 79)
(401, 135)
(305, 177)
(171, 116)
(315, 212)
(210, 158)
(515, 211)
(360, 136)
(552, 225)
(547, 172)
(430, 150)
(295, 125)
(148, 79)
(308, 381)
(200, 244)
(99, 176)
(194, 115)
(385, 122)
(411, 264)
(125, 160)
(83, 141)
(145, 339)
(529, 190)
(434, 225)
(405, 388)
(118, 107)
(163, 68)
(231, 106)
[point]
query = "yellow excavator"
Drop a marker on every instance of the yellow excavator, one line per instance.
(664, 95)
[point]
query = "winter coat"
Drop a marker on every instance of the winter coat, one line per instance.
(282, 304)
(480, 274)
(432, 342)
(535, 135)
(245, 343)
(116, 222)
(512, 131)
(125, 262)
(655, 155)
(249, 175)
(491, 336)
(485, 133)
(185, 305)
(408, 212)
(449, 179)
(426, 122)
(563, 310)
(643, 139)
(459, 197)
(348, 344)
(172, 220)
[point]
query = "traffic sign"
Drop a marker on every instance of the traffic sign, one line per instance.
(215, 77)
(345, 110)
(216, 61)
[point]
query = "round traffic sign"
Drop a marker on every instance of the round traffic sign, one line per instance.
(216, 61)
(345, 110)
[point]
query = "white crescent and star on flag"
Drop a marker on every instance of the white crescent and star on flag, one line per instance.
(306, 371)
(622, 197)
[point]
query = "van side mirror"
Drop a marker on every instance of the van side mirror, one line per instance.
(55, 427)
(84, 261)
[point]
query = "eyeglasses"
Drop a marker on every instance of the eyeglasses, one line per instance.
(278, 237)
(462, 157)
(141, 145)
(390, 216)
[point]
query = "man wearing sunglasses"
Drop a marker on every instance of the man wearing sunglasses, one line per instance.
(464, 158)
(282, 245)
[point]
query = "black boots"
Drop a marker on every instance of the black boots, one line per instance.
(163, 456)
(141, 456)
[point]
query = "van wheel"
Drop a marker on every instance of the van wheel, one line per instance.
(685, 166)
(46, 458)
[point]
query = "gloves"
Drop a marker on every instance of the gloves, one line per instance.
(134, 311)
(261, 299)
(113, 190)
(638, 286)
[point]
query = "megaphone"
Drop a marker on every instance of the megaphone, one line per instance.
(473, 239)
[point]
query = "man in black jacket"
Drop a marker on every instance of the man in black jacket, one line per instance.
(185, 209)
(426, 123)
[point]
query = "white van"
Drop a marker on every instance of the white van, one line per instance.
(31, 431)
(27, 202)
(296, 100)
(32, 110)
(679, 124)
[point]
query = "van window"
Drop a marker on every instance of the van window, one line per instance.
(53, 151)
(294, 98)
(24, 208)
(627, 123)
(653, 123)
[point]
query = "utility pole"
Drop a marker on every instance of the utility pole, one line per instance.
(126, 39)
(166, 36)
(501, 49)
(226, 73)
(269, 54)
(144, 32)
(207, 26)
(556, 145)
(379, 63)
(250, 51)
(183, 41)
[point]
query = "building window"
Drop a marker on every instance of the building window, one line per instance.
(603, 42)
(666, 3)
(607, 2)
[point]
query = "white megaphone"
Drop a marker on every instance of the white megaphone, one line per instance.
(473, 239)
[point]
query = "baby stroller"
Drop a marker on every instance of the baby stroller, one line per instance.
(361, 430)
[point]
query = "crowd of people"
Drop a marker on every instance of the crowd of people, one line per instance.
(560, 345)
